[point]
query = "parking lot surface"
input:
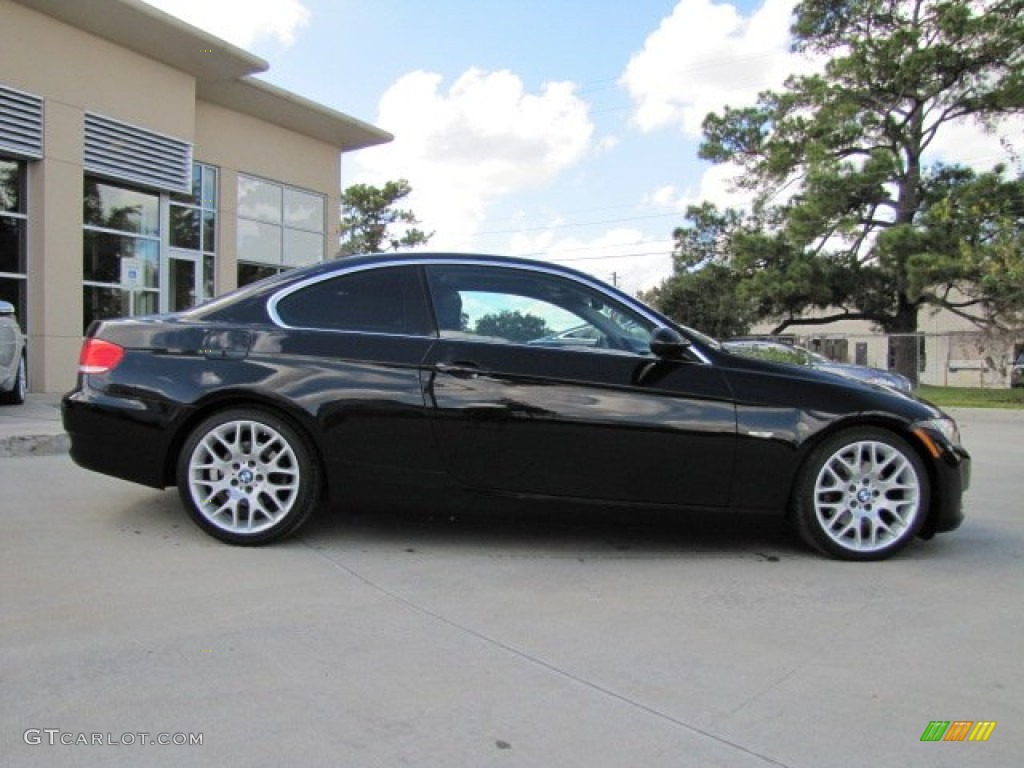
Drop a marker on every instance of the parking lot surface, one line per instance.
(552, 638)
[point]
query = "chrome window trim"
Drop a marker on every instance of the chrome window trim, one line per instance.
(382, 334)
(468, 261)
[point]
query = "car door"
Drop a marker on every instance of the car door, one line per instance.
(354, 343)
(517, 408)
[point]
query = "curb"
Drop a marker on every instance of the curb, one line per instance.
(34, 445)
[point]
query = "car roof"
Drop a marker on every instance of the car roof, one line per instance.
(281, 280)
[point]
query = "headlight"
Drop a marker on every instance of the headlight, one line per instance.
(899, 383)
(944, 426)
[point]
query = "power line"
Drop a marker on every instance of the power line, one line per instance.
(642, 217)
(603, 257)
(668, 209)
(578, 224)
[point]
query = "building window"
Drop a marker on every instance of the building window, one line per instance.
(121, 251)
(193, 228)
(13, 230)
(250, 273)
(279, 227)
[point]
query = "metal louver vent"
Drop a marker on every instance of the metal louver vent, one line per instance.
(121, 151)
(21, 123)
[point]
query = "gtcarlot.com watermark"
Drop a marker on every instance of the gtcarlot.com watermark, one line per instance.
(57, 737)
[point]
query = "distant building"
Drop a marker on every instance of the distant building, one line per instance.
(142, 169)
(951, 351)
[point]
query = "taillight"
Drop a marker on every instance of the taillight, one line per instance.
(99, 356)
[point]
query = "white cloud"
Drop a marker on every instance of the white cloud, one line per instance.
(484, 138)
(717, 185)
(241, 22)
(631, 259)
(966, 142)
(706, 55)
(962, 142)
(666, 196)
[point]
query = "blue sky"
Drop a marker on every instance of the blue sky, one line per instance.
(559, 129)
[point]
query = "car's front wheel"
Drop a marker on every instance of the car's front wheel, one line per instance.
(248, 477)
(862, 495)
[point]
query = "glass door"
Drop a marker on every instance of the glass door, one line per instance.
(183, 281)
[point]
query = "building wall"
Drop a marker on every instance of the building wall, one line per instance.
(75, 69)
(237, 143)
(55, 251)
(75, 72)
(953, 351)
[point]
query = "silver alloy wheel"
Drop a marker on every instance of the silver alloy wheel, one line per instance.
(867, 495)
(243, 476)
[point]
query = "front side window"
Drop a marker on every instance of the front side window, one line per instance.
(279, 227)
(512, 306)
(13, 230)
(121, 251)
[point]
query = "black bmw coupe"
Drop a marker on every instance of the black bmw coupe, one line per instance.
(376, 377)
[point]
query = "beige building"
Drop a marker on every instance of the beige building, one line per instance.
(950, 351)
(143, 169)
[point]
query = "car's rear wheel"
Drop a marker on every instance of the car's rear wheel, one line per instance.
(248, 477)
(862, 495)
(17, 393)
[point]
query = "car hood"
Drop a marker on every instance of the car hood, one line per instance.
(865, 373)
(868, 395)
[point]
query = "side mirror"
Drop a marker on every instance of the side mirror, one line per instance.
(668, 343)
(6, 309)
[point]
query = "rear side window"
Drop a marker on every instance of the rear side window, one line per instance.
(387, 300)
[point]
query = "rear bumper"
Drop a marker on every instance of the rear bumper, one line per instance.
(127, 438)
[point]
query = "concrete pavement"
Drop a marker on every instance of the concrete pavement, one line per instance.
(33, 428)
(548, 639)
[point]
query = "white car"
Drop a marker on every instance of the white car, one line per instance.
(13, 368)
(790, 353)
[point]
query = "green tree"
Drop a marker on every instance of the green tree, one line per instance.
(514, 326)
(707, 299)
(869, 231)
(10, 188)
(705, 292)
(371, 222)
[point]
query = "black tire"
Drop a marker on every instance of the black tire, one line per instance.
(862, 495)
(16, 395)
(248, 477)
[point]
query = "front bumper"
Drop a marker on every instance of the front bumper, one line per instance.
(950, 481)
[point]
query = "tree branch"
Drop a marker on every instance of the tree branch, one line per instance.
(844, 315)
(957, 308)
